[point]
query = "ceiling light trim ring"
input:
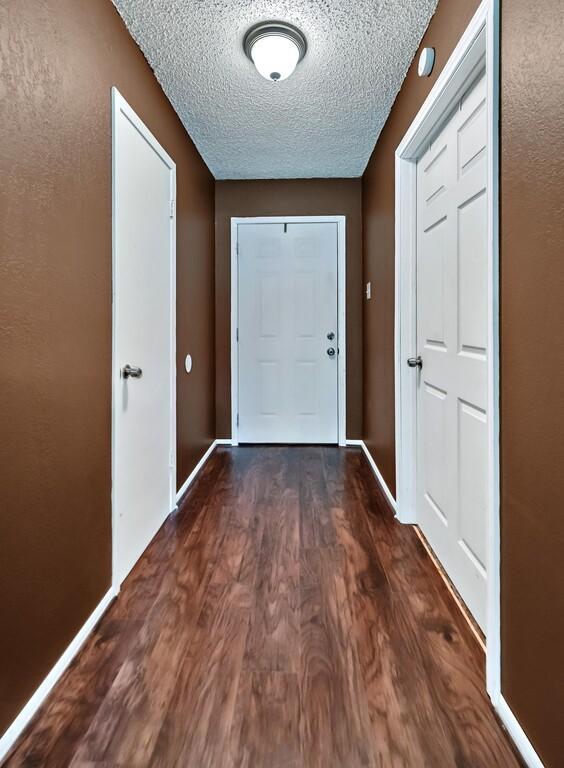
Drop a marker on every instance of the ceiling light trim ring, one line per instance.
(279, 28)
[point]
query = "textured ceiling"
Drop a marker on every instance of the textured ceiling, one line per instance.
(321, 122)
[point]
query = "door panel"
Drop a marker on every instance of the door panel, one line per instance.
(471, 134)
(472, 478)
(434, 404)
(268, 299)
(287, 304)
(305, 309)
(432, 304)
(143, 483)
(452, 342)
(473, 274)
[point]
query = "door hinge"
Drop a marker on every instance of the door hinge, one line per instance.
(237, 335)
(172, 208)
(237, 247)
(237, 419)
(171, 463)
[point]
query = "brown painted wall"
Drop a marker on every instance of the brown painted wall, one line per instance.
(294, 197)
(532, 339)
(58, 60)
(532, 369)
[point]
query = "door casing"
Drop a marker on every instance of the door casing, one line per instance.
(341, 309)
(120, 105)
(478, 44)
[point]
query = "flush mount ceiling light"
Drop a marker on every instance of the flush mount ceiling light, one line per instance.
(275, 48)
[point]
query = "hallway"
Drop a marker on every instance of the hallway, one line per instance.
(280, 618)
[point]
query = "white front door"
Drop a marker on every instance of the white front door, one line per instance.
(144, 285)
(288, 333)
(452, 297)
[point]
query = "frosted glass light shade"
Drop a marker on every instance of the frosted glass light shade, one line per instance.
(275, 57)
(275, 48)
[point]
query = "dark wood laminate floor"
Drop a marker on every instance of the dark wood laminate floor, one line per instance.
(280, 618)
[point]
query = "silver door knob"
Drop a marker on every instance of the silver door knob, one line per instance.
(415, 362)
(331, 352)
(331, 336)
(131, 371)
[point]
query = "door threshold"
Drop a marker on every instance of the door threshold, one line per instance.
(283, 444)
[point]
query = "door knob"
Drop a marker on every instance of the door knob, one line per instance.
(331, 352)
(331, 336)
(415, 362)
(131, 371)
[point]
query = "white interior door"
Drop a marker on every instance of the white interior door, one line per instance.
(288, 333)
(452, 299)
(144, 286)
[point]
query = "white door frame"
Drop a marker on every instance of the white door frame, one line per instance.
(120, 105)
(340, 221)
(479, 44)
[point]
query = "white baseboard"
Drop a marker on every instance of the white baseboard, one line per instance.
(379, 478)
(15, 729)
(192, 476)
(517, 734)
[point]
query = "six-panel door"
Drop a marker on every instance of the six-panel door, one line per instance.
(452, 296)
(287, 314)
